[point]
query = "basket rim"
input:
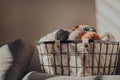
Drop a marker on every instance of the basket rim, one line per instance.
(77, 41)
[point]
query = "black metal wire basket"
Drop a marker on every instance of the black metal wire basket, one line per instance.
(79, 58)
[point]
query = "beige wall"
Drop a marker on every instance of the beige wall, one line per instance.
(31, 19)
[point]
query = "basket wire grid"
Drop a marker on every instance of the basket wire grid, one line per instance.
(101, 58)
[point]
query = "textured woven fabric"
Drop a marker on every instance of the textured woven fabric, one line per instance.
(42, 76)
(62, 35)
(15, 60)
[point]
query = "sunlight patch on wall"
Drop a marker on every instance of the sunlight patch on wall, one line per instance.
(108, 16)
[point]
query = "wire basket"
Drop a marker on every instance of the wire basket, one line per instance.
(79, 58)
